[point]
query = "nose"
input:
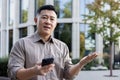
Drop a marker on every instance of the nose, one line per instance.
(48, 21)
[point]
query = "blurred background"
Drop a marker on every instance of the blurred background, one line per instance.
(17, 21)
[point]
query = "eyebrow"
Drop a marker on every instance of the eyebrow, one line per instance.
(50, 16)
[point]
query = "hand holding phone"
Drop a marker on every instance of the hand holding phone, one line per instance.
(47, 61)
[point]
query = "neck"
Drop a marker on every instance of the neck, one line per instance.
(45, 37)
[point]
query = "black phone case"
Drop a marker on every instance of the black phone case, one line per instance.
(47, 61)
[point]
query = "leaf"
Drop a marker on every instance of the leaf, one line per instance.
(102, 20)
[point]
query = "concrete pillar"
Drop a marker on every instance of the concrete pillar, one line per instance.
(99, 48)
(0, 43)
(75, 30)
(16, 21)
(0, 28)
(75, 41)
(31, 9)
(3, 29)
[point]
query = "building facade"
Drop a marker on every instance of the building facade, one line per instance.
(17, 21)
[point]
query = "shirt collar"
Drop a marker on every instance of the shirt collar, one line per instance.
(37, 38)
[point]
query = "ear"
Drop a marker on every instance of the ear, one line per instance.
(35, 20)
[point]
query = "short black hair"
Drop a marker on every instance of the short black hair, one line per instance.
(46, 7)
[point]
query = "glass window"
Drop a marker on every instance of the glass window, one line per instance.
(64, 8)
(22, 32)
(11, 13)
(10, 39)
(116, 57)
(0, 11)
(35, 28)
(23, 11)
(87, 40)
(38, 3)
(83, 8)
(0, 42)
(63, 32)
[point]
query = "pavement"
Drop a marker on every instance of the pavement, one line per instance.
(98, 75)
(92, 75)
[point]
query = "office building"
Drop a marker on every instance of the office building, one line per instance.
(17, 21)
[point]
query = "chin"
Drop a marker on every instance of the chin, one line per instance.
(46, 33)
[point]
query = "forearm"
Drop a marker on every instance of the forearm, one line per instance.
(75, 69)
(24, 74)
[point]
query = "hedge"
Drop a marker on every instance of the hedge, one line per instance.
(3, 66)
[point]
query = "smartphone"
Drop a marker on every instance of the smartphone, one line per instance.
(47, 61)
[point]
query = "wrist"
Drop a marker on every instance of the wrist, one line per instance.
(81, 64)
(36, 70)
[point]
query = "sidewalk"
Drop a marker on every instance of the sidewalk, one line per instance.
(98, 75)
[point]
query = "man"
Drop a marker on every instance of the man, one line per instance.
(27, 53)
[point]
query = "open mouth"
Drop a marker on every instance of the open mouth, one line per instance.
(46, 27)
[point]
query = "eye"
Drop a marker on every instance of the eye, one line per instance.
(52, 19)
(44, 17)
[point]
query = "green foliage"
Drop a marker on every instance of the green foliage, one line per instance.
(106, 60)
(40, 2)
(88, 66)
(104, 19)
(66, 35)
(3, 66)
(67, 10)
(75, 61)
(63, 32)
(82, 44)
(24, 16)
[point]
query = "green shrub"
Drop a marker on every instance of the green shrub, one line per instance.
(74, 61)
(88, 66)
(91, 64)
(3, 66)
(106, 57)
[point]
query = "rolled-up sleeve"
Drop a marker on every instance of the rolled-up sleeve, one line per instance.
(16, 59)
(68, 65)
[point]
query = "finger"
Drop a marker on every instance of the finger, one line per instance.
(88, 58)
(93, 55)
(38, 63)
(48, 68)
(44, 74)
(44, 71)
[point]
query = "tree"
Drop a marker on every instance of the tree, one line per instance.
(40, 3)
(66, 35)
(63, 32)
(82, 44)
(104, 19)
(67, 10)
(24, 16)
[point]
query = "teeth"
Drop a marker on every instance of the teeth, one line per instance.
(46, 27)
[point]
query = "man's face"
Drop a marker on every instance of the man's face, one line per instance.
(46, 22)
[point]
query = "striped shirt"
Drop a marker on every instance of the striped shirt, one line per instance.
(30, 50)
